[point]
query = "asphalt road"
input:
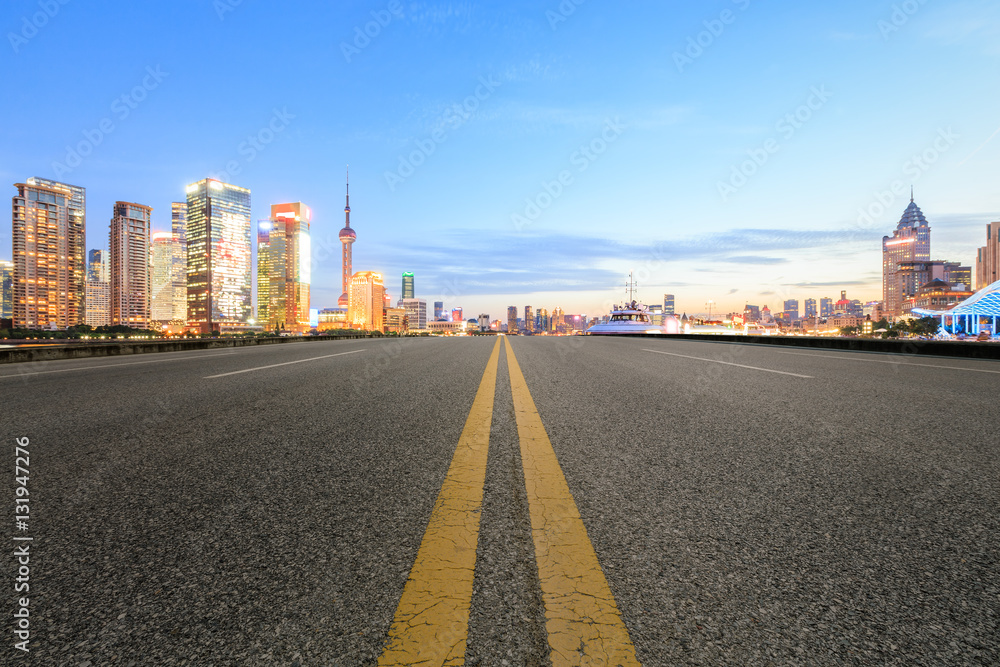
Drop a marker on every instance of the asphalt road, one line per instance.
(747, 505)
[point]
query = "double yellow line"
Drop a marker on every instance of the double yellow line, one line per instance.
(432, 620)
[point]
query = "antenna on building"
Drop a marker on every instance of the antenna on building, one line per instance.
(911, 194)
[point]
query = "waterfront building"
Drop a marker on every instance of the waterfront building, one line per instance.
(394, 320)
(331, 318)
(512, 319)
(446, 327)
(347, 239)
(128, 255)
(168, 288)
(910, 242)
(366, 301)
(219, 280)
(416, 313)
(988, 257)
(48, 236)
(284, 268)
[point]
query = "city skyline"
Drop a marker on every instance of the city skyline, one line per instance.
(547, 173)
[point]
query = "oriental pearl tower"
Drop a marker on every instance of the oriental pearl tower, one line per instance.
(347, 237)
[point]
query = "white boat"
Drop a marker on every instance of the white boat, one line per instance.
(634, 318)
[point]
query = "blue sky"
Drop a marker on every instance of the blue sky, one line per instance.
(532, 152)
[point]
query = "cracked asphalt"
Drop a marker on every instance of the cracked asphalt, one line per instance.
(740, 516)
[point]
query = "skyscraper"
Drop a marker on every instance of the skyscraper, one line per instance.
(541, 320)
(128, 251)
(668, 304)
(407, 291)
(825, 307)
(178, 221)
(529, 319)
(6, 289)
(98, 290)
(988, 257)
(456, 314)
(49, 227)
(792, 309)
(168, 287)
(810, 310)
(438, 311)
(283, 268)
(512, 319)
(347, 237)
(366, 301)
(910, 242)
(219, 282)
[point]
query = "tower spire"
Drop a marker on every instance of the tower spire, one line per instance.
(347, 207)
(911, 194)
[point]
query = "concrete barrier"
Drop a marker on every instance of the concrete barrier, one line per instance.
(115, 348)
(938, 348)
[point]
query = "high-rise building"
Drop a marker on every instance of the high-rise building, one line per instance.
(347, 238)
(168, 269)
(97, 312)
(283, 268)
(366, 301)
(541, 320)
(6, 289)
(178, 221)
(810, 309)
(529, 319)
(988, 258)
(668, 304)
(955, 274)
(407, 291)
(910, 242)
(512, 319)
(128, 254)
(438, 311)
(751, 314)
(219, 282)
(791, 309)
(97, 265)
(49, 233)
(825, 307)
(456, 314)
(416, 313)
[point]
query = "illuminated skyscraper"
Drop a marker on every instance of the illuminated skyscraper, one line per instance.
(283, 268)
(541, 320)
(169, 289)
(910, 242)
(988, 258)
(810, 308)
(128, 252)
(456, 314)
(512, 319)
(347, 237)
(825, 307)
(219, 282)
(178, 221)
(407, 291)
(49, 227)
(529, 319)
(366, 301)
(668, 304)
(792, 309)
(6, 289)
(98, 292)
(438, 311)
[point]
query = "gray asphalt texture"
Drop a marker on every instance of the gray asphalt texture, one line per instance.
(740, 516)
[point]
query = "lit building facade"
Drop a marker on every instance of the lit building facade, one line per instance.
(825, 307)
(810, 309)
(284, 268)
(438, 310)
(48, 237)
(456, 314)
(6, 289)
(791, 309)
(910, 242)
(128, 255)
(407, 291)
(169, 289)
(219, 282)
(394, 320)
(512, 319)
(542, 320)
(529, 319)
(988, 258)
(668, 304)
(97, 311)
(366, 301)
(347, 238)
(416, 313)
(936, 295)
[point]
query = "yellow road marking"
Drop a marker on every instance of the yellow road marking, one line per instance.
(431, 625)
(581, 616)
